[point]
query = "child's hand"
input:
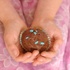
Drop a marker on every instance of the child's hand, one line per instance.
(54, 32)
(11, 38)
(13, 24)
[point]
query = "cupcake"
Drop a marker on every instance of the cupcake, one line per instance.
(35, 39)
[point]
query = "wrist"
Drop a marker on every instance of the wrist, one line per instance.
(42, 20)
(15, 22)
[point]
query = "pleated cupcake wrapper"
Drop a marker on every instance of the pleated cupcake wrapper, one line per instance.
(49, 39)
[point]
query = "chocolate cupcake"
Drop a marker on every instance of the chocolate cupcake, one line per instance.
(35, 39)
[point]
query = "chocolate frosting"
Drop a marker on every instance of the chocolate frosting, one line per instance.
(35, 39)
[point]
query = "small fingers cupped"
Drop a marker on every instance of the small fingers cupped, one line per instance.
(23, 57)
(41, 60)
(49, 54)
(33, 56)
(14, 51)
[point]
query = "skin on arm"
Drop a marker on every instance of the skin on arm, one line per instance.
(7, 12)
(47, 9)
(13, 25)
(44, 17)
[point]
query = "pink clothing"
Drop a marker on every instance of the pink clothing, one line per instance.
(26, 9)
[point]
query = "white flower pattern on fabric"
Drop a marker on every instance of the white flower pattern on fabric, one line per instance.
(7, 60)
(61, 18)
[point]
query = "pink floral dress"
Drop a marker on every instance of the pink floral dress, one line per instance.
(25, 9)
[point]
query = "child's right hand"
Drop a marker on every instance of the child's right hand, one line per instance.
(11, 37)
(13, 25)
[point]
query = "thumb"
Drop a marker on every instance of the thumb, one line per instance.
(12, 49)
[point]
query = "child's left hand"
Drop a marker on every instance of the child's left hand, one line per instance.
(54, 32)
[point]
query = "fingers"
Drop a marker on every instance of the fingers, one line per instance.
(33, 56)
(13, 50)
(52, 53)
(16, 55)
(49, 54)
(41, 60)
(23, 57)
